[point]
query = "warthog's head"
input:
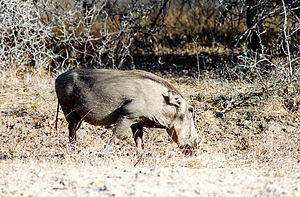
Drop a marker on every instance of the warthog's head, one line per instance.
(182, 129)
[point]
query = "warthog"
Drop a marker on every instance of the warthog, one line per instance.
(131, 99)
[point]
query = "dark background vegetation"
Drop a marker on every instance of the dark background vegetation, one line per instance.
(227, 37)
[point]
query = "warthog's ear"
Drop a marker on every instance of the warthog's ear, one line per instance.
(174, 98)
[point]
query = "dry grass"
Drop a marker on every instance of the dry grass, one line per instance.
(251, 146)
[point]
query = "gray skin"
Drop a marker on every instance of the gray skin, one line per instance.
(131, 99)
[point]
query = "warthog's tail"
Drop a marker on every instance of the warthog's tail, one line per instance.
(57, 110)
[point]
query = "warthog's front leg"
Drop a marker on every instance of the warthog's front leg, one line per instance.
(121, 130)
(137, 131)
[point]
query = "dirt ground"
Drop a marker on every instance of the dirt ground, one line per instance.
(250, 145)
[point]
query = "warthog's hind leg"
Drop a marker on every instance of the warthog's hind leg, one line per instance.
(74, 121)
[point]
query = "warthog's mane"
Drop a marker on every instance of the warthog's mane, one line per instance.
(146, 75)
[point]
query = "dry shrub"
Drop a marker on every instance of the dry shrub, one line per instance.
(62, 34)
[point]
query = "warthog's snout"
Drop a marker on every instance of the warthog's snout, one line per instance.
(190, 149)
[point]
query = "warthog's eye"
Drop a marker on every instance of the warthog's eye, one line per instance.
(191, 109)
(182, 116)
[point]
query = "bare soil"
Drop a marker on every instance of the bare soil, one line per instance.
(250, 145)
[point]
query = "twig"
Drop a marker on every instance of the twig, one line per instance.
(197, 54)
(287, 43)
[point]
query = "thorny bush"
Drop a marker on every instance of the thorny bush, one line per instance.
(60, 34)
